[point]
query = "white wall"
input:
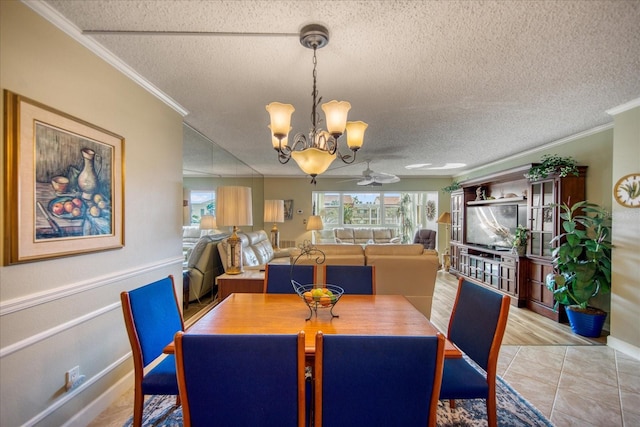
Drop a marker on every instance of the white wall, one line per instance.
(625, 286)
(64, 312)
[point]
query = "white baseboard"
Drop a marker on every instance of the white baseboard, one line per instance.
(624, 347)
(106, 399)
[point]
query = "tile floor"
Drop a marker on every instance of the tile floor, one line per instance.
(562, 383)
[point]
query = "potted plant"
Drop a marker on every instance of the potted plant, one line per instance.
(552, 163)
(519, 244)
(455, 185)
(582, 265)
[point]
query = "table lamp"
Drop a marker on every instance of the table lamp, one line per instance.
(208, 222)
(445, 218)
(234, 208)
(274, 212)
(314, 223)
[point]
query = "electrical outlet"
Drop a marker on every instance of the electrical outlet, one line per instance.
(73, 378)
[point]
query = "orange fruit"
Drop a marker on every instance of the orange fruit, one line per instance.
(325, 300)
(308, 296)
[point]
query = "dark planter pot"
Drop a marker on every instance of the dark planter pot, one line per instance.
(586, 324)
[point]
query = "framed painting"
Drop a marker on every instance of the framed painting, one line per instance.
(64, 184)
(288, 209)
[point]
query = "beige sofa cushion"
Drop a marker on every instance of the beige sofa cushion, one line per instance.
(364, 236)
(408, 270)
(335, 254)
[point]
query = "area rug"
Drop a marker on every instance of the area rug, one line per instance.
(513, 411)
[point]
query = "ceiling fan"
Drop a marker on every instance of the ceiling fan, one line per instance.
(372, 178)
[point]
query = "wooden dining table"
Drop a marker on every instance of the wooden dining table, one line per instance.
(261, 313)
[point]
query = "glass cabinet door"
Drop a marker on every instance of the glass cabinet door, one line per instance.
(541, 217)
(457, 216)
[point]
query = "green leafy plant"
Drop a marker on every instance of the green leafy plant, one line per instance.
(406, 225)
(582, 258)
(455, 185)
(552, 163)
(521, 236)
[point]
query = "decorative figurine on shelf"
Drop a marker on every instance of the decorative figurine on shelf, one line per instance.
(479, 194)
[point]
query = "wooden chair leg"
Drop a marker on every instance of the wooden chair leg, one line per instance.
(177, 400)
(492, 416)
(452, 403)
(138, 403)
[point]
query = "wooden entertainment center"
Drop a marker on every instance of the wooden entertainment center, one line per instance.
(495, 266)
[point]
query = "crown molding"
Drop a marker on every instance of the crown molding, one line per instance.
(624, 107)
(544, 147)
(53, 16)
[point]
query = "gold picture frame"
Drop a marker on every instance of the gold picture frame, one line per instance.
(64, 184)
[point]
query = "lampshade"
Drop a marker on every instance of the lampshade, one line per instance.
(276, 142)
(234, 206)
(208, 222)
(274, 211)
(313, 161)
(444, 218)
(315, 223)
(355, 134)
(280, 118)
(336, 113)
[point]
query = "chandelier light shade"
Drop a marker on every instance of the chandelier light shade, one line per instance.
(234, 208)
(274, 212)
(208, 222)
(315, 152)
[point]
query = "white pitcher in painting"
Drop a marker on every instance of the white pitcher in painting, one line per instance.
(88, 178)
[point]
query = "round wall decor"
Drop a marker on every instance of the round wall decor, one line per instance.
(627, 190)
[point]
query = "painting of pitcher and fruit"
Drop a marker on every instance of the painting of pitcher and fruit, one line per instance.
(66, 179)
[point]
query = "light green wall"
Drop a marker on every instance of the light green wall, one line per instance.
(65, 312)
(594, 150)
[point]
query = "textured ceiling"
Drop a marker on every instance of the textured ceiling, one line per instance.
(437, 81)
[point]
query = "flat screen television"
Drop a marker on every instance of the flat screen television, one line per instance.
(494, 226)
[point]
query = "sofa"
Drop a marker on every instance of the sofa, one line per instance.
(203, 265)
(408, 270)
(190, 236)
(364, 236)
(256, 251)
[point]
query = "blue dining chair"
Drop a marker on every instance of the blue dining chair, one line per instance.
(377, 380)
(277, 277)
(152, 317)
(241, 380)
(476, 326)
(354, 279)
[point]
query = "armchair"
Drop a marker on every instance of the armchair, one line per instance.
(426, 237)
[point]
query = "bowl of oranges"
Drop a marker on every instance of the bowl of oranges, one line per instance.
(318, 296)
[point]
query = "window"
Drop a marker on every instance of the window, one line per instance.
(202, 203)
(406, 211)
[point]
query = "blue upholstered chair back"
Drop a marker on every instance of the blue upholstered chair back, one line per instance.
(354, 279)
(378, 380)
(241, 380)
(156, 317)
(278, 277)
(474, 321)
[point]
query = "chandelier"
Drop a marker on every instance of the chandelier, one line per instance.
(315, 153)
